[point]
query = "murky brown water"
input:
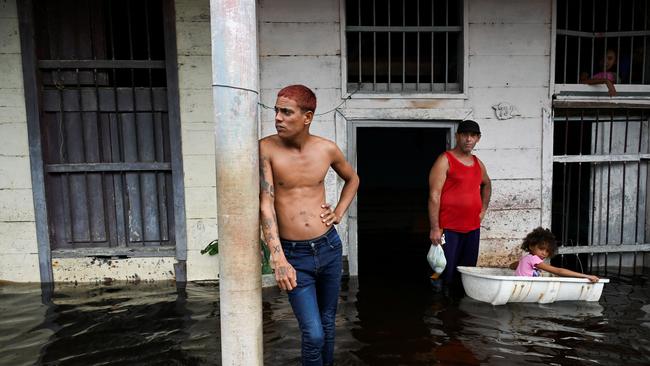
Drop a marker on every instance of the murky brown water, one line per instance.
(378, 324)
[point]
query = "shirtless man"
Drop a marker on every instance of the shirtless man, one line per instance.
(298, 224)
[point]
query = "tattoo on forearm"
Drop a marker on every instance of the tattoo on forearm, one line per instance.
(276, 249)
(265, 186)
(269, 227)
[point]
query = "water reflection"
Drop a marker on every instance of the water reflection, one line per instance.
(379, 323)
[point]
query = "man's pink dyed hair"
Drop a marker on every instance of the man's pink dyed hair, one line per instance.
(304, 97)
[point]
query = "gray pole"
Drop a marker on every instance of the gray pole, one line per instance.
(234, 89)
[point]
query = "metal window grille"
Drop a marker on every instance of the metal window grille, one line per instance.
(404, 45)
(601, 183)
(588, 29)
(105, 115)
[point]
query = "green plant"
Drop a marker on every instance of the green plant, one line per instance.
(213, 248)
(266, 258)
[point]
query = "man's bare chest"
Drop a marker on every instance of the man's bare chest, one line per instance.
(295, 172)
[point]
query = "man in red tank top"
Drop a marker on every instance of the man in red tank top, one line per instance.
(459, 194)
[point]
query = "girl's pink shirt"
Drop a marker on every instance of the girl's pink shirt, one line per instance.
(528, 265)
(606, 75)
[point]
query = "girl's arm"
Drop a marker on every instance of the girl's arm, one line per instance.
(565, 272)
(611, 90)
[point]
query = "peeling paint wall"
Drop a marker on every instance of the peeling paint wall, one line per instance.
(107, 270)
(198, 154)
(197, 131)
(19, 259)
(509, 61)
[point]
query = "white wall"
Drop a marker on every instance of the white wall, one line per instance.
(19, 259)
(508, 61)
(197, 131)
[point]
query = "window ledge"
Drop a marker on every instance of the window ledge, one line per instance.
(595, 96)
(598, 89)
(404, 95)
(405, 114)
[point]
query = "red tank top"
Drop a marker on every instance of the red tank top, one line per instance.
(460, 200)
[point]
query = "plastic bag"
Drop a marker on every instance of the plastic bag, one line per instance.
(436, 258)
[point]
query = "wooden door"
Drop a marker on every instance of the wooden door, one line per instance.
(105, 126)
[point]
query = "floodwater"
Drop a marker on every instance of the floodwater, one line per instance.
(378, 324)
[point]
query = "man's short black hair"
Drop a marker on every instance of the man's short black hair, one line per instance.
(468, 126)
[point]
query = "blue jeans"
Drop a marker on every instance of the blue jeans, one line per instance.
(318, 266)
(461, 249)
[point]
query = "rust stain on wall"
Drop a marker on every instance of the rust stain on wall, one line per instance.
(427, 104)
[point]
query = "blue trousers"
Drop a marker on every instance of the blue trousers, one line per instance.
(461, 249)
(318, 266)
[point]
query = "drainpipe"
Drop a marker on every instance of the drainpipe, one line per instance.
(235, 93)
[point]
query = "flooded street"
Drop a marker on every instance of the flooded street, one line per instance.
(378, 324)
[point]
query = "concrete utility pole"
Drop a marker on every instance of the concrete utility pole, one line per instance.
(235, 92)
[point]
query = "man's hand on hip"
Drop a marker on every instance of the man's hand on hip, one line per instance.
(328, 216)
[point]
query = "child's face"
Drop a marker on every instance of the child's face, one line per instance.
(540, 250)
(610, 60)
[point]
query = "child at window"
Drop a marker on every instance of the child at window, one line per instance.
(607, 77)
(540, 244)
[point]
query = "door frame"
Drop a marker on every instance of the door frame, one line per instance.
(352, 128)
(33, 103)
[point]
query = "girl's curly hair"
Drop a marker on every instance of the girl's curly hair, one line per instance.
(540, 237)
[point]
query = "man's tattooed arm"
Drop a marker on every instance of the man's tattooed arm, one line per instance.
(265, 186)
(268, 216)
(285, 275)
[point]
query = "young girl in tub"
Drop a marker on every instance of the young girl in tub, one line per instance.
(540, 244)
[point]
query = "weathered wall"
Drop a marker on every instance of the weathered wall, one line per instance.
(509, 61)
(197, 139)
(19, 259)
(194, 72)
(197, 131)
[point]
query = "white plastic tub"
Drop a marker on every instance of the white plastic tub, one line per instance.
(499, 286)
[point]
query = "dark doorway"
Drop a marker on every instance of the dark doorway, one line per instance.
(393, 226)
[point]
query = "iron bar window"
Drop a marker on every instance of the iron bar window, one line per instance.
(602, 39)
(600, 180)
(404, 45)
(107, 155)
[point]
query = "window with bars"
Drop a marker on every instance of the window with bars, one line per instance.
(603, 39)
(106, 124)
(600, 180)
(404, 46)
